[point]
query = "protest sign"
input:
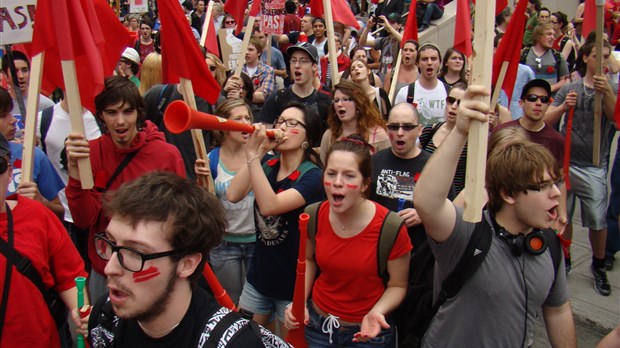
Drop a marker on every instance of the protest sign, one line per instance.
(138, 6)
(230, 46)
(272, 17)
(16, 19)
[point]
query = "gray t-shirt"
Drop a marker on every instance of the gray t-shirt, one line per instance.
(489, 310)
(545, 67)
(582, 138)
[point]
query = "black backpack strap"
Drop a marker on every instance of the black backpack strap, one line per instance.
(555, 249)
(475, 252)
(524, 53)
(220, 328)
(120, 168)
(558, 60)
(46, 120)
(410, 93)
(313, 211)
(387, 237)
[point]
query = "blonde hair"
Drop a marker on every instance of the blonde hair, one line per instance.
(220, 72)
(151, 73)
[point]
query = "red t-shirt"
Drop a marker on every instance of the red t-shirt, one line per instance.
(39, 236)
(349, 284)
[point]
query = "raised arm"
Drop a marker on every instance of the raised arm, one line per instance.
(430, 197)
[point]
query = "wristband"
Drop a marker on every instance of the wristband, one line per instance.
(252, 159)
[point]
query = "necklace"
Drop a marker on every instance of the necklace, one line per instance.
(157, 334)
(585, 91)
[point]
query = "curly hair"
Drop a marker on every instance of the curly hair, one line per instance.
(368, 115)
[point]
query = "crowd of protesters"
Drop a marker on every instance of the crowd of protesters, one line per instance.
(355, 153)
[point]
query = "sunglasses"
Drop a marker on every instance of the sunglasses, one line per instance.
(407, 127)
(229, 22)
(532, 98)
(212, 67)
(4, 165)
(452, 100)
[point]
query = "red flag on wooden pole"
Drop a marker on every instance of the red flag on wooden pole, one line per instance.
(340, 9)
(589, 18)
(509, 50)
(181, 56)
(211, 42)
(236, 8)
(71, 30)
(411, 26)
(462, 34)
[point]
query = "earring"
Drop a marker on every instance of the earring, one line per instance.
(305, 145)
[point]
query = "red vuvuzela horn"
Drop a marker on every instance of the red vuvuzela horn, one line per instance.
(179, 117)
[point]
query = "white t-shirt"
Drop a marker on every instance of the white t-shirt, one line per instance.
(431, 103)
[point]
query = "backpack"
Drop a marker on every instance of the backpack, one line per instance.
(387, 236)
(556, 55)
(411, 91)
(415, 313)
(46, 121)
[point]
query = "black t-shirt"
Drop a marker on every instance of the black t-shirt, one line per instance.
(277, 102)
(193, 330)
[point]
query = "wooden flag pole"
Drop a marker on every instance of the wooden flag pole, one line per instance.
(479, 131)
(30, 119)
(331, 42)
(72, 93)
(249, 29)
(498, 85)
(395, 72)
(598, 97)
(268, 48)
(197, 138)
(205, 26)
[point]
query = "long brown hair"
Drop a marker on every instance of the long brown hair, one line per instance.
(367, 114)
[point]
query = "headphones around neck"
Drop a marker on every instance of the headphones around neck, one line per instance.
(534, 243)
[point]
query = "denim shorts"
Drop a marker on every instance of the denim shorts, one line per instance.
(258, 303)
(317, 333)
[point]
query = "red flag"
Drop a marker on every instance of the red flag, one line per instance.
(589, 18)
(181, 55)
(509, 49)
(462, 34)
(70, 30)
(211, 41)
(236, 8)
(411, 27)
(340, 11)
(500, 5)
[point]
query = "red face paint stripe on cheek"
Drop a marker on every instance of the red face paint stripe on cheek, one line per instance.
(144, 275)
(352, 186)
(294, 131)
(327, 183)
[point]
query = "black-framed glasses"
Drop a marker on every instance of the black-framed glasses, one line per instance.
(291, 123)
(451, 100)
(407, 127)
(130, 259)
(212, 67)
(532, 98)
(301, 61)
(545, 185)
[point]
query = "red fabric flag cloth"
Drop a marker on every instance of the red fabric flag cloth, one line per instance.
(236, 8)
(71, 30)
(181, 55)
(341, 12)
(462, 34)
(500, 5)
(211, 41)
(509, 50)
(567, 144)
(589, 18)
(411, 27)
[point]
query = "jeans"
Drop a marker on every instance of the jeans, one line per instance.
(230, 262)
(613, 210)
(342, 336)
(428, 12)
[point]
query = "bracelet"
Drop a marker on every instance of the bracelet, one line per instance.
(252, 159)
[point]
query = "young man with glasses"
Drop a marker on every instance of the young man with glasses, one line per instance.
(516, 281)
(395, 170)
(304, 61)
(32, 231)
(156, 245)
(131, 147)
(588, 181)
(535, 100)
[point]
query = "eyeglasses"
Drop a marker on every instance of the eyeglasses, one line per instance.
(4, 165)
(545, 185)
(532, 98)
(229, 22)
(212, 67)
(452, 100)
(407, 127)
(291, 123)
(130, 259)
(343, 100)
(301, 61)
